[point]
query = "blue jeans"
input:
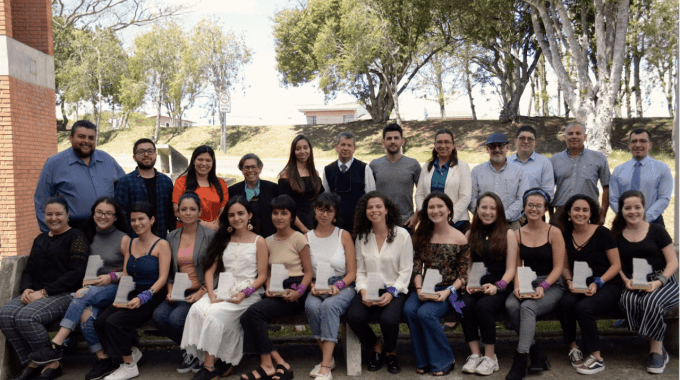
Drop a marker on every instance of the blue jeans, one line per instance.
(323, 313)
(430, 346)
(169, 318)
(97, 298)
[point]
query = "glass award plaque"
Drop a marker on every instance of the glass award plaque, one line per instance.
(374, 283)
(432, 278)
(225, 285)
(477, 271)
(581, 272)
(125, 286)
(94, 263)
(323, 273)
(181, 284)
(525, 277)
(279, 273)
(641, 269)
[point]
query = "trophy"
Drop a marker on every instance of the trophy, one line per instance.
(581, 272)
(323, 273)
(477, 271)
(374, 283)
(181, 284)
(94, 263)
(432, 278)
(525, 276)
(125, 286)
(225, 285)
(641, 269)
(278, 275)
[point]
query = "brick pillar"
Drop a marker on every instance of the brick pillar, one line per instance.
(27, 117)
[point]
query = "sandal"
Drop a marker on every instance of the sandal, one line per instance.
(446, 372)
(286, 374)
(260, 371)
(422, 371)
(225, 370)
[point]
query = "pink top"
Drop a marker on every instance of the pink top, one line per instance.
(185, 263)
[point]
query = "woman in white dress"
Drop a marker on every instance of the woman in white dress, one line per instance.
(212, 328)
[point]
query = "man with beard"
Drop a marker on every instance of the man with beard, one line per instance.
(498, 175)
(145, 184)
(81, 174)
(577, 171)
(395, 174)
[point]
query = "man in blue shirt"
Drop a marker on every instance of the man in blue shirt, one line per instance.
(81, 174)
(145, 184)
(653, 178)
(538, 168)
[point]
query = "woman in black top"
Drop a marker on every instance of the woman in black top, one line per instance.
(587, 241)
(638, 239)
(55, 269)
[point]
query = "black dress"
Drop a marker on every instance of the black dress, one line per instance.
(303, 201)
(259, 204)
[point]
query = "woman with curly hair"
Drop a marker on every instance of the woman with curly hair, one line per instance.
(385, 248)
(440, 247)
(300, 180)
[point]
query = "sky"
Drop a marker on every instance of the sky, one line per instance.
(263, 100)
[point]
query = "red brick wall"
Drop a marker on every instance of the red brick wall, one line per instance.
(27, 138)
(31, 23)
(5, 18)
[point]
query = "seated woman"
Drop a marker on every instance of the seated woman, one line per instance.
(147, 260)
(439, 247)
(188, 245)
(541, 248)
(332, 245)
(494, 245)
(639, 239)
(588, 242)
(290, 248)
(55, 269)
(385, 248)
(212, 330)
(106, 230)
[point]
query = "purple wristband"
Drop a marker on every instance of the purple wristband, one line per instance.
(113, 275)
(248, 291)
(340, 284)
(599, 281)
(393, 291)
(145, 296)
(501, 284)
(545, 285)
(301, 288)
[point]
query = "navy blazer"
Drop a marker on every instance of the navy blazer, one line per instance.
(261, 205)
(203, 237)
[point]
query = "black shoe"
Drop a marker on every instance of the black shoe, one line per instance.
(101, 369)
(51, 373)
(376, 362)
(205, 374)
(29, 373)
(519, 367)
(223, 369)
(393, 364)
(189, 364)
(539, 362)
(47, 354)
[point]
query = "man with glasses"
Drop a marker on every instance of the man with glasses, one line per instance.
(653, 178)
(349, 178)
(538, 168)
(81, 174)
(502, 177)
(145, 184)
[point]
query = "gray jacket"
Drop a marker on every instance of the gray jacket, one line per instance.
(203, 238)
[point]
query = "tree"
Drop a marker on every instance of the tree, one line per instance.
(661, 32)
(438, 78)
(562, 31)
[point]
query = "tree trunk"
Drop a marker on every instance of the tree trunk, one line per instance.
(158, 117)
(626, 89)
(545, 97)
(531, 98)
(62, 126)
(468, 88)
(669, 90)
(559, 99)
(636, 83)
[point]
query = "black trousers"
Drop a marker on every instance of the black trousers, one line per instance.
(479, 315)
(117, 328)
(358, 317)
(254, 322)
(584, 309)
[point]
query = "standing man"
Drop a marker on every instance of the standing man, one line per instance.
(538, 169)
(505, 179)
(577, 171)
(653, 178)
(349, 178)
(81, 174)
(145, 184)
(395, 174)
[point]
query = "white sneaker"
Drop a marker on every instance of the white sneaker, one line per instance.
(315, 371)
(124, 372)
(471, 363)
(136, 355)
(329, 376)
(576, 357)
(487, 366)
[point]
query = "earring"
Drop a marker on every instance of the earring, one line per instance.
(569, 219)
(230, 230)
(250, 226)
(334, 220)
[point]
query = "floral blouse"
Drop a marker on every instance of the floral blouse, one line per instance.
(450, 259)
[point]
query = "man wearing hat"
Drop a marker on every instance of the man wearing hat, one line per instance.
(505, 179)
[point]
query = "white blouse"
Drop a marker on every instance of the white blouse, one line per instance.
(458, 187)
(394, 261)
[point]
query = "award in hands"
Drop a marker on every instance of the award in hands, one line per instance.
(225, 285)
(323, 273)
(181, 284)
(641, 269)
(432, 278)
(94, 263)
(278, 275)
(125, 286)
(525, 277)
(581, 272)
(477, 271)
(374, 283)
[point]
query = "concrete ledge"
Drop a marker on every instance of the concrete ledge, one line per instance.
(11, 269)
(26, 63)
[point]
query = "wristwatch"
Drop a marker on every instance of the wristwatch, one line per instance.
(153, 292)
(43, 292)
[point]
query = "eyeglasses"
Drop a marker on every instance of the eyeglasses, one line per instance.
(249, 167)
(326, 211)
(99, 214)
(536, 206)
(143, 152)
(526, 139)
(442, 142)
(494, 146)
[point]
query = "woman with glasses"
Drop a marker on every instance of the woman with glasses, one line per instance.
(257, 191)
(445, 173)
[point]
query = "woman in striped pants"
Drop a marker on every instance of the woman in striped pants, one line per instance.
(638, 239)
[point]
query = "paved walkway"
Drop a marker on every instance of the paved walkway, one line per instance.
(625, 358)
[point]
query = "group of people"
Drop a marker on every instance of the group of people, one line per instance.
(358, 220)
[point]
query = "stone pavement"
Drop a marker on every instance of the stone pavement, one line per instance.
(625, 358)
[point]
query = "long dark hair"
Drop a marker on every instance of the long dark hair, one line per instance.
(190, 172)
(120, 223)
(564, 219)
(294, 179)
(425, 229)
(453, 160)
(363, 226)
(146, 208)
(619, 222)
(498, 249)
(328, 201)
(221, 239)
